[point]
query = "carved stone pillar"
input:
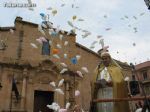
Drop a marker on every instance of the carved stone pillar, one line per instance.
(24, 89)
(71, 94)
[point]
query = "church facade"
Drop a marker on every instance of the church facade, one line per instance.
(26, 63)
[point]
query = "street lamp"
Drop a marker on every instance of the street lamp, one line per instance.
(147, 2)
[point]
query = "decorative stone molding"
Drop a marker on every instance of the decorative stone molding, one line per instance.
(45, 72)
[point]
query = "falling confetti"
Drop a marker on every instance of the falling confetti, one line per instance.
(55, 51)
(31, 9)
(135, 29)
(107, 29)
(53, 34)
(54, 106)
(122, 18)
(68, 33)
(74, 17)
(134, 44)
(56, 56)
(72, 5)
(105, 48)
(62, 5)
(33, 45)
(78, 57)
(63, 70)
(141, 14)
(99, 36)
(59, 46)
(62, 31)
(126, 79)
(65, 55)
(54, 12)
(58, 90)
(105, 16)
(80, 74)
(50, 42)
(43, 16)
(61, 37)
(62, 110)
(85, 69)
(129, 25)
(135, 17)
(77, 93)
(70, 23)
(86, 34)
(68, 105)
(65, 43)
(50, 25)
(63, 64)
(80, 19)
(52, 84)
(101, 42)
(39, 40)
(49, 8)
(74, 60)
(92, 47)
(93, 43)
(11, 31)
(126, 17)
(40, 29)
(60, 82)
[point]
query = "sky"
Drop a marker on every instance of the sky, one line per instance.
(122, 24)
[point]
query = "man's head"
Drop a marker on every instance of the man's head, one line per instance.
(106, 58)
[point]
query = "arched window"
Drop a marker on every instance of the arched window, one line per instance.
(46, 47)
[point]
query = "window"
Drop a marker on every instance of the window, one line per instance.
(46, 48)
(144, 75)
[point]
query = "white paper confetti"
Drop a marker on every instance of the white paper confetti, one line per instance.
(62, 5)
(54, 106)
(85, 69)
(65, 55)
(11, 31)
(60, 37)
(80, 19)
(60, 82)
(58, 90)
(101, 42)
(52, 84)
(62, 110)
(49, 8)
(33, 45)
(65, 43)
(59, 46)
(63, 70)
(70, 23)
(40, 29)
(56, 56)
(80, 74)
(68, 105)
(127, 79)
(63, 64)
(78, 57)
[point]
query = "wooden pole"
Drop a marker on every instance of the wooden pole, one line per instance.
(119, 99)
